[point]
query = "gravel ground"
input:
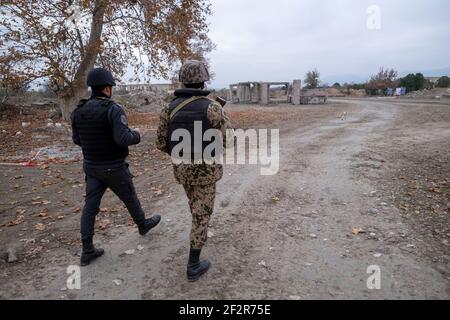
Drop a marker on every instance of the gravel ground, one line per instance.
(371, 188)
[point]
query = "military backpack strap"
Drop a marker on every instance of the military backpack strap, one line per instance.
(184, 104)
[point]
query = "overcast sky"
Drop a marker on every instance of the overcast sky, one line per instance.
(280, 40)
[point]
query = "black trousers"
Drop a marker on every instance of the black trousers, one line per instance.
(120, 181)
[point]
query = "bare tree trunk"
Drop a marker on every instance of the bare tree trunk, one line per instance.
(69, 99)
(68, 103)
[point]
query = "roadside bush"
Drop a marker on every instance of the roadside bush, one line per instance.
(443, 82)
(414, 82)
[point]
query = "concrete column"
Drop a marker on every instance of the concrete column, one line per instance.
(242, 91)
(239, 93)
(265, 95)
(248, 94)
(296, 92)
(231, 95)
(254, 93)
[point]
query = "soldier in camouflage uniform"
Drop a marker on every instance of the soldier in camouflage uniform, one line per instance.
(190, 105)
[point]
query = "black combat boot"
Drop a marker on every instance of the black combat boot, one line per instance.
(196, 268)
(90, 253)
(149, 224)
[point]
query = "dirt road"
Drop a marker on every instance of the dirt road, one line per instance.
(309, 232)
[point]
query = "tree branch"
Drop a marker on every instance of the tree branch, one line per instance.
(92, 49)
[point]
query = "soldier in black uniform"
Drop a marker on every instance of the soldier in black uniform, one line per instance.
(100, 127)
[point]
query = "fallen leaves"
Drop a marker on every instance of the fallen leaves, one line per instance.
(358, 231)
(76, 210)
(103, 226)
(28, 241)
(34, 251)
(20, 217)
(43, 213)
(435, 190)
(41, 203)
(40, 227)
(46, 183)
(158, 191)
(275, 199)
(115, 210)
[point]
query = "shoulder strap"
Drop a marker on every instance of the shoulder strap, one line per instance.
(184, 104)
(82, 102)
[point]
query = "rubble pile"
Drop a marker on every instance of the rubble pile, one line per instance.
(148, 101)
(437, 93)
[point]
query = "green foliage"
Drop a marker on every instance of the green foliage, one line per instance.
(443, 82)
(357, 86)
(312, 80)
(414, 82)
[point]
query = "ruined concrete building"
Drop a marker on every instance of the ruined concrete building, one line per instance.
(271, 92)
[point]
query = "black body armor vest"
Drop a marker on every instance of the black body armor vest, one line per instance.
(196, 111)
(92, 120)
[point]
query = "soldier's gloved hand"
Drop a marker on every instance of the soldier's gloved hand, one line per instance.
(137, 130)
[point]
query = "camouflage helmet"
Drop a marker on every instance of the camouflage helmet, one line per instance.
(193, 71)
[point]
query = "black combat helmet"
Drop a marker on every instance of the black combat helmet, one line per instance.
(100, 77)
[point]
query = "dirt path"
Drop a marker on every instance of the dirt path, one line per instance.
(287, 236)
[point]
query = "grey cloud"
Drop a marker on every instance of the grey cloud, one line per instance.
(281, 40)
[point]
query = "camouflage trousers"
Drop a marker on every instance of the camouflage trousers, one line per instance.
(201, 203)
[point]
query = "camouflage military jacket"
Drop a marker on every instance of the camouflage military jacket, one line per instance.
(195, 174)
